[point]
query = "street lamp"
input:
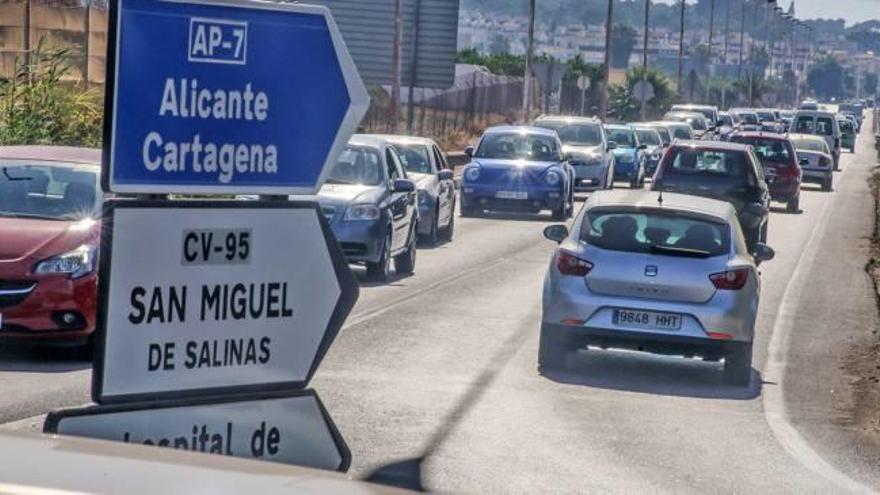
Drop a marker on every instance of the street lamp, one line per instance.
(606, 70)
(680, 50)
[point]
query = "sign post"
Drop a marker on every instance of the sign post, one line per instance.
(215, 314)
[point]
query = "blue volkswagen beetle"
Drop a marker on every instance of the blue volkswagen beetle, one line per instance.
(630, 160)
(517, 168)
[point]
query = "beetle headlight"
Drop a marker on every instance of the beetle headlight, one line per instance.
(362, 212)
(76, 263)
(472, 173)
(552, 177)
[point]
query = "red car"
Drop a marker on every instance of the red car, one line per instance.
(50, 200)
(780, 162)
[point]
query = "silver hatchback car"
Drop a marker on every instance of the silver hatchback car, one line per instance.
(667, 274)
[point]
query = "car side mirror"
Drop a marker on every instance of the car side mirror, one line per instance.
(643, 146)
(403, 186)
(612, 145)
(446, 175)
(762, 253)
(804, 161)
(469, 151)
(567, 156)
(556, 233)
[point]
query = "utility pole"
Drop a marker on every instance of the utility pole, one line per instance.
(527, 77)
(724, 54)
(644, 101)
(681, 51)
(27, 34)
(413, 70)
(396, 65)
(606, 70)
(709, 61)
(88, 29)
(742, 40)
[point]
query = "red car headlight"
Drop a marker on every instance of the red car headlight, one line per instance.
(76, 263)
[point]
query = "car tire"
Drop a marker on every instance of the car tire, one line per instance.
(468, 211)
(449, 230)
(432, 238)
(793, 205)
(827, 185)
(552, 351)
(381, 270)
(405, 263)
(738, 365)
(559, 214)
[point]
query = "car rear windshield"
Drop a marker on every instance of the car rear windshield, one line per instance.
(681, 132)
(689, 161)
(50, 191)
(518, 146)
(414, 158)
(624, 138)
(846, 126)
(824, 126)
(648, 136)
(575, 134)
(768, 150)
(748, 118)
(810, 144)
(766, 116)
(667, 233)
(357, 165)
(664, 134)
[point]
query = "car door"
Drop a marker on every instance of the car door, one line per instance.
(402, 203)
(446, 192)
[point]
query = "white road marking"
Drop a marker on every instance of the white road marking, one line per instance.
(774, 370)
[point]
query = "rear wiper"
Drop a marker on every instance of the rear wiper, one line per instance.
(13, 179)
(679, 251)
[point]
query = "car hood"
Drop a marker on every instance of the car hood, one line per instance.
(343, 194)
(584, 151)
(28, 238)
(491, 163)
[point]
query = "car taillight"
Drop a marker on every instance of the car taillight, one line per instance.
(731, 279)
(824, 161)
(788, 171)
(569, 264)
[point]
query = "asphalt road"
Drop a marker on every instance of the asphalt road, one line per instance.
(433, 381)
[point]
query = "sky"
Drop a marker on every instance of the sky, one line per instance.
(852, 11)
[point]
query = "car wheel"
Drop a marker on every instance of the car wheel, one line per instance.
(738, 365)
(827, 185)
(560, 213)
(852, 149)
(450, 228)
(793, 205)
(635, 184)
(762, 236)
(405, 263)
(381, 270)
(552, 350)
(468, 211)
(433, 237)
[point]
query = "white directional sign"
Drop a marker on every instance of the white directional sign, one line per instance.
(206, 297)
(293, 429)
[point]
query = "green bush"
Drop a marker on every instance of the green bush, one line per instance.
(38, 107)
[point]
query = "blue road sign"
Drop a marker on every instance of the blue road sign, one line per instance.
(226, 97)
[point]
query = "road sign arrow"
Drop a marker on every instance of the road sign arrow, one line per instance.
(285, 427)
(211, 297)
(226, 96)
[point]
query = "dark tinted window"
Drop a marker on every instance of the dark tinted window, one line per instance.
(518, 146)
(648, 136)
(824, 126)
(658, 233)
(768, 150)
(624, 138)
(687, 161)
(575, 134)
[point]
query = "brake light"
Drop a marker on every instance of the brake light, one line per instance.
(789, 171)
(731, 279)
(569, 264)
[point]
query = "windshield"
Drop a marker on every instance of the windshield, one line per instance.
(415, 158)
(688, 161)
(682, 132)
(518, 146)
(766, 116)
(624, 138)
(726, 120)
(51, 191)
(748, 118)
(846, 126)
(810, 144)
(648, 136)
(768, 150)
(664, 134)
(657, 233)
(357, 165)
(575, 134)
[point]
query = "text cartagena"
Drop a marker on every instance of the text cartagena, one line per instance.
(185, 99)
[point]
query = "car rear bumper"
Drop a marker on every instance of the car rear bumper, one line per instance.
(784, 189)
(58, 310)
(575, 337)
(817, 175)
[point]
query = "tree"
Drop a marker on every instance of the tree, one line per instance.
(623, 104)
(499, 44)
(827, 78)
(623, 40)
(497, 63)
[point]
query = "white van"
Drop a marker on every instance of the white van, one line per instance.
(819, 123)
